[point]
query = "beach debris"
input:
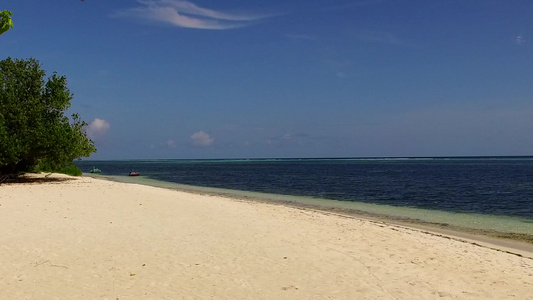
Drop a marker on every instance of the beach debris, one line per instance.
(132, 274)
(49, 263)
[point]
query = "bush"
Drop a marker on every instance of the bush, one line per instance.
(70, 169)
(34, 132)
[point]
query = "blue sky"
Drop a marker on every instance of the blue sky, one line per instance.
(250, 79)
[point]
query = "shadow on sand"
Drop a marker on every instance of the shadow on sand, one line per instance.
(29, 179)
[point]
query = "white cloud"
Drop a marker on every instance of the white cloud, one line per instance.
(171, 144)
(520, 39)
(187, 14)
(97, 128)
(201, 138)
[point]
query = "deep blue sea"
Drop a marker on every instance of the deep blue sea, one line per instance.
(497, 186)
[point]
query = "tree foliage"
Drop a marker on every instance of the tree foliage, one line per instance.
(5, 21)
(34, 132)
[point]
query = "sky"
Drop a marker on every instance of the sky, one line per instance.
(172, 79)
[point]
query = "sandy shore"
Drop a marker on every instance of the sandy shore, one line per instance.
(85, 238)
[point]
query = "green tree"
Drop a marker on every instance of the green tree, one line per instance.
(34, 132)
(5, 21)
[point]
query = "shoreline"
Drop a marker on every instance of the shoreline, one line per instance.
(507, 241)
(84, 237)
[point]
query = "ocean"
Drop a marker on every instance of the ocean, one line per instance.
(484, 193)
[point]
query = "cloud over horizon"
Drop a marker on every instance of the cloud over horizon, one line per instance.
(170, 144)
(187, 14)
(201, 138)
(97, 128)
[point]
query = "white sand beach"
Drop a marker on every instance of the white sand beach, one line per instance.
(87, 238)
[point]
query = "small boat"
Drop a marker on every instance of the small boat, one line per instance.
(134, 173)
(96, 170)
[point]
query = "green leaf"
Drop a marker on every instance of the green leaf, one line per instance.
(5, 21)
